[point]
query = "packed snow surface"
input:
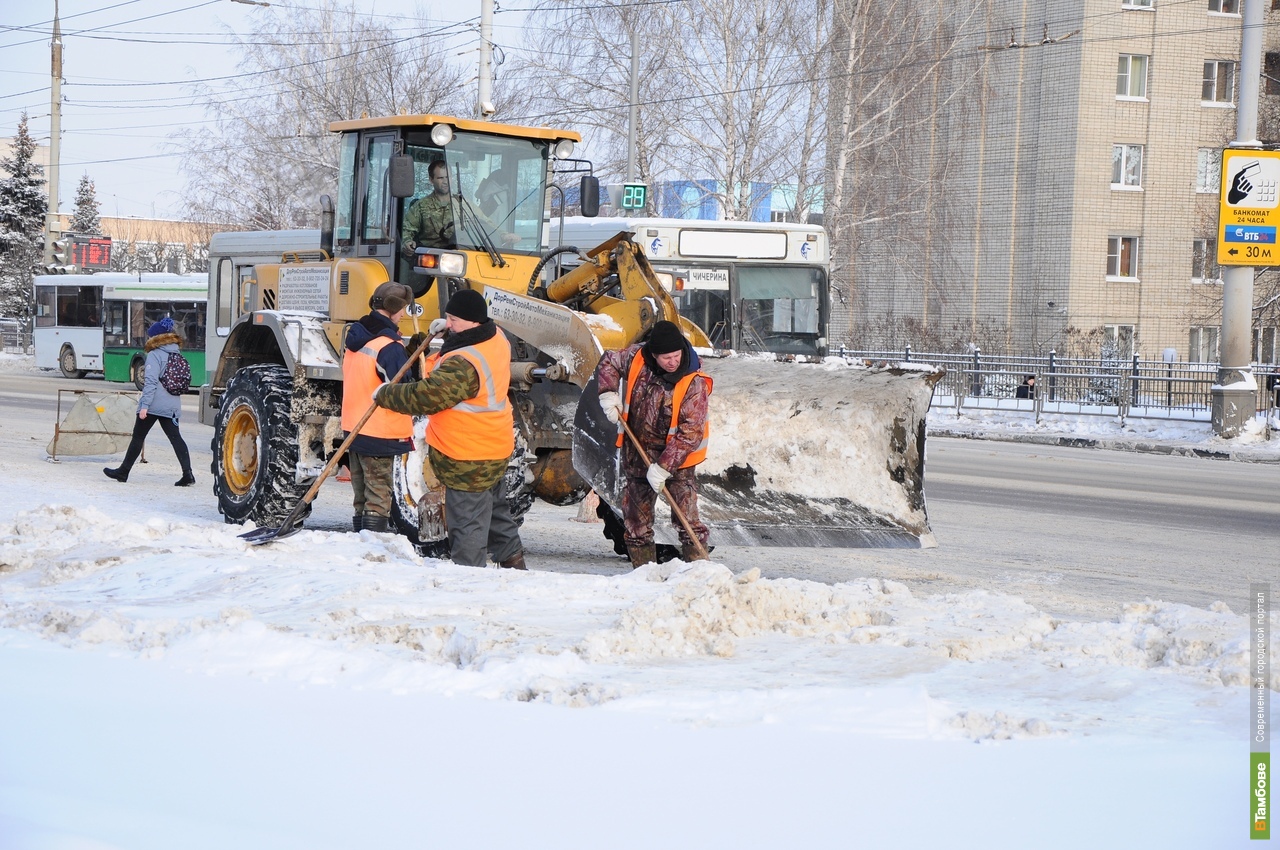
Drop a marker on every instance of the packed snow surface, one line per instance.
(169, 686)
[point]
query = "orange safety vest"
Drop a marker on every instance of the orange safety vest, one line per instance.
(482, 427)
(699, 454)
(359, 380)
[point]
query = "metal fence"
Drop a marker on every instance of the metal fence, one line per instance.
(1104, 387)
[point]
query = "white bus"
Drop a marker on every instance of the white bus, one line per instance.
(752, 286)
(98, 322)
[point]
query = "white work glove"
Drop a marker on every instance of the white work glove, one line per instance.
(377, 390)
(611, 404)
(437, 327)
(657, 477)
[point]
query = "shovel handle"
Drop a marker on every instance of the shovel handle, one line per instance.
(670, 501)
(346, 444)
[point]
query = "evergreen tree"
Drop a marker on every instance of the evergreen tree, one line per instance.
(85, 219)
(22, 211)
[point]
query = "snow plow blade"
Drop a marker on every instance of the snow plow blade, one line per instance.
(824, 454)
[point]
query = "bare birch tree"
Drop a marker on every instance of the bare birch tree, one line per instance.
(269, 154)
(899, 69)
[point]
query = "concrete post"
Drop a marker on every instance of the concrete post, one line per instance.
(1233, 398)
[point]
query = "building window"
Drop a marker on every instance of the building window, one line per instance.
(1204, 261)
(1264, 345)
(1219, 84)
(1131, 76)
(1208, 169)
(782, 215)
(1126, 166)
(1224, 7)
(1122, 257)
(1203, 346)
(1271, 73)
(1117, 341)
(1138, 4)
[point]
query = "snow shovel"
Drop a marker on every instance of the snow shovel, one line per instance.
(700, 551)
(292, 522)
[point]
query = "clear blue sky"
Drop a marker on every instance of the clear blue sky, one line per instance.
(127, 66)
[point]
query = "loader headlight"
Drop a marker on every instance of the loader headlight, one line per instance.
(441, 135)
(563, 148)
(445, 263)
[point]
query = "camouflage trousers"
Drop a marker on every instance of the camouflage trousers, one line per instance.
(371, 484)
(638, 500)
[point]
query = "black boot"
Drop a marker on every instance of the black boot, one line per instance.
(186, 480)
(117, 474)
(357, 522)
(373, 522)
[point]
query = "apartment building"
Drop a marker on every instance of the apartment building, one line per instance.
(1071, 163)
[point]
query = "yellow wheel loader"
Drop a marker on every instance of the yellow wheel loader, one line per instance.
(820, 453)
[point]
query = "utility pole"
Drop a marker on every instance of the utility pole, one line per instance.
(1234, 396)
(53, 225)
(634, 109)
(484, 98)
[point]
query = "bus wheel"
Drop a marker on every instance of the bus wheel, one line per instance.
(138, 372)
(255, 448)
(67, 363)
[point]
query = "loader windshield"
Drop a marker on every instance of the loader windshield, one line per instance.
(496, 186)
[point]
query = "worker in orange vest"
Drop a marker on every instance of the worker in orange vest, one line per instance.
(470, 431)
(657, 389)
(374, 353)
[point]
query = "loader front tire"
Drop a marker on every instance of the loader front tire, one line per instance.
(255, 448)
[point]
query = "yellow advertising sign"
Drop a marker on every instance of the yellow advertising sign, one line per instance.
(1249, 208)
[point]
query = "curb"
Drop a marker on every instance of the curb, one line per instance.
(1141, 447)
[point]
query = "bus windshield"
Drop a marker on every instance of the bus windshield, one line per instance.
(496, 191)
(780, 308)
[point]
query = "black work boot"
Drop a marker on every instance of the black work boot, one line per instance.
(186, 480)
(120, 475)
(357, 522)
(373, 522)
(641, 555)
(515, 562)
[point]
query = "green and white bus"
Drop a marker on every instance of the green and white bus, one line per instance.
(98, 322)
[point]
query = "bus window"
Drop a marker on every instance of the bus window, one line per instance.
(46, 306)
(115, 323)
(225, 295)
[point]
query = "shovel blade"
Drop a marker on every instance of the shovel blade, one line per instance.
(259, 536)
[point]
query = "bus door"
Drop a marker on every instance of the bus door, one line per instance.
(704, 300)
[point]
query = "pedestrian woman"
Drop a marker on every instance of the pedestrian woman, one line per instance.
(157, 404)
(657, 389)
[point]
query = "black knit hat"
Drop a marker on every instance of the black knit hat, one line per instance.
(391, 297)
(665, 338)
(469, 305)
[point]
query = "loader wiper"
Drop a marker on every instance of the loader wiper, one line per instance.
(474, 226)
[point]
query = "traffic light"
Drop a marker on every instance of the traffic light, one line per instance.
(63, 254)
(62, 250)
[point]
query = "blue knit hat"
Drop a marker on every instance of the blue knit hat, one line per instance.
(164, 326)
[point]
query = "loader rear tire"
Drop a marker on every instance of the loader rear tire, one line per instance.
(255, 448)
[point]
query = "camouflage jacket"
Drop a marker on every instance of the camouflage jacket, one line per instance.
(650, 414)
(429, 222)
(453, 381)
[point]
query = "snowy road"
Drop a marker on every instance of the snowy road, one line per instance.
(168, 686)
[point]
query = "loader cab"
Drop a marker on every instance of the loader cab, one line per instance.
(491, 207)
